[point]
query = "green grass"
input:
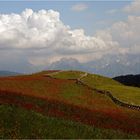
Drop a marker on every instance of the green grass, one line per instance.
(96, 80)
(72, 90)
(68, 74)
(16, 123)
(44, 72)
(124, 93)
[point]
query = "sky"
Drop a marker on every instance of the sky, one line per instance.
(95, 15)
(38, 34)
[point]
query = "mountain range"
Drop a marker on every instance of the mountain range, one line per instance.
(110, 66)
(8, 73)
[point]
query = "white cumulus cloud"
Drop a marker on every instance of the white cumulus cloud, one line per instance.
(44, 38)
(127, 33)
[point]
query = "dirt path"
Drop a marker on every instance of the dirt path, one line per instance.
(53, 73)
(82, 76)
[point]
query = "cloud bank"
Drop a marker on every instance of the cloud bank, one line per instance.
(41, 38)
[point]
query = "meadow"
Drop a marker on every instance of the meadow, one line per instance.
(56, 96)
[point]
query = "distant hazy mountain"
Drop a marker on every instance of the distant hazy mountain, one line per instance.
(130, 80)
(8, 73)
(111, 66)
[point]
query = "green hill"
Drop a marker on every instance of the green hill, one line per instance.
(67, 104)
(124, 93)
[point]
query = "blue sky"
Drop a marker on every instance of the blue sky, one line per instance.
(93, 18)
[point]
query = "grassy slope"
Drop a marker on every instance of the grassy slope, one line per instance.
(68, 74)
(64, 90)
(16, 122)
(124, 93)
